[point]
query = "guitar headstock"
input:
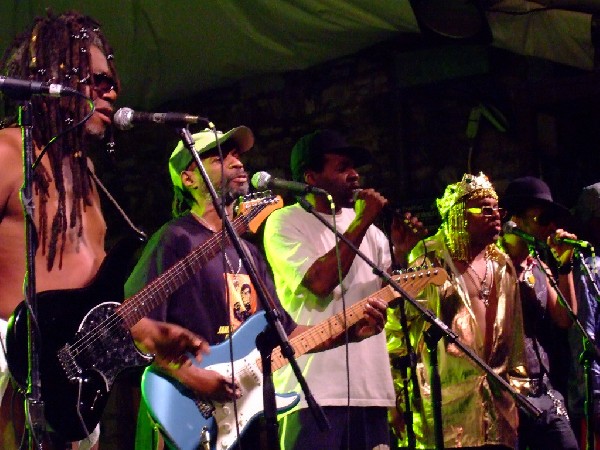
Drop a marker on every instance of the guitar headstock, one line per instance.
(256, 207)
(414, 280)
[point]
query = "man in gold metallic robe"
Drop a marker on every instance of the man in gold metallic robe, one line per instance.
(479, 302)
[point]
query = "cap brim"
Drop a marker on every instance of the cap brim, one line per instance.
(243, 137)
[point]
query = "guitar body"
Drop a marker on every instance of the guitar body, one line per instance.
(186, 421)
(84, 342)
(77, 369)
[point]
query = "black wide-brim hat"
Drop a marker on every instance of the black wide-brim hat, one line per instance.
(529, 191)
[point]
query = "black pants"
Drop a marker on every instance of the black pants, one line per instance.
(552, 430)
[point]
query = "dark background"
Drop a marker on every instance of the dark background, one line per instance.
(409, 108)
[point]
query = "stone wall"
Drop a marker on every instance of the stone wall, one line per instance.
(409, 104)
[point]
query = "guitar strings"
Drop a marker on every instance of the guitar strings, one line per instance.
(174, 272)
(127, 309)
(353, 315)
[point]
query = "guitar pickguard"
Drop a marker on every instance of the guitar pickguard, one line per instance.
(109, 352)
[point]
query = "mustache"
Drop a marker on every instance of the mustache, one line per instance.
(238, 173)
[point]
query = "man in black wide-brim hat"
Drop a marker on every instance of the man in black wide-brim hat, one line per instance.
(533, 211)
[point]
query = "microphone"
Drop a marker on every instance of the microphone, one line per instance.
(262, 181)
(582, 245)
(511, 228)
(125, 118)
(23, 89)
(386, 208)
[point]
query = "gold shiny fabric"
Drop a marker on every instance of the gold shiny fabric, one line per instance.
(474, 412)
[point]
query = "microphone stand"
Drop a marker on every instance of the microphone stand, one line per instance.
(436, 331)
(276, 334)
(34, 406)
(590, 351)
(588, 356)
(403, 363)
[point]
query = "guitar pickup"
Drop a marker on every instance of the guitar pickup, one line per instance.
(206, 408)
(67, 362)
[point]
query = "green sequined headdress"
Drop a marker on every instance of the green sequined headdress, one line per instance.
(452, 210)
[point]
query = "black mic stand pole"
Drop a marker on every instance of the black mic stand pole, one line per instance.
(34, 407)
(277, 335)
(588, 356)
(590, 351)
(437, 330)
(403, 363)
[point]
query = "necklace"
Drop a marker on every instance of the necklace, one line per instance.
(527, 276)
(484, 287)
(233, 272)
(203, 221)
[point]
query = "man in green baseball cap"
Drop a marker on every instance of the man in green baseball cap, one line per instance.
(236, 141)
(218, 295)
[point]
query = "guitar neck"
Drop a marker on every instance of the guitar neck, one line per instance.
(328, 329)
(155, 293)
(251, 214)
(412, 283)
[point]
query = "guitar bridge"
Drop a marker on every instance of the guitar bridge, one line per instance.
(67, 362)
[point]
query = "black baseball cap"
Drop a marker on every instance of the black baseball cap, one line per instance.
(312, 145)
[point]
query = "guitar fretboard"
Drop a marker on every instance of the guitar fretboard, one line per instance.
(412, 283)
(157, 291)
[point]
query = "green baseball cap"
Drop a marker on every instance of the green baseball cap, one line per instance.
(204, 141)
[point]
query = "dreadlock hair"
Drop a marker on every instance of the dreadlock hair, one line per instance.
(56, 49)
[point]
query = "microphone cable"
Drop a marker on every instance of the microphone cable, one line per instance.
(67, 130)
(343, 296)
(223, 240)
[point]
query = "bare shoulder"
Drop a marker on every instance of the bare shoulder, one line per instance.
(11, 162)
(10, 146)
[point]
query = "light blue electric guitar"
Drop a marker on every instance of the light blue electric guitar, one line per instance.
(189, 423)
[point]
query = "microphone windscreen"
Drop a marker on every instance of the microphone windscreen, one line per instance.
(509, 227)
(122, 119)
(260, 180)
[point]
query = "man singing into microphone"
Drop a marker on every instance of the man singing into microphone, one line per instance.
(302, 253)
(530, 206)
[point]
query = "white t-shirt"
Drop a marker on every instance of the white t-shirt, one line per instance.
(294, 239)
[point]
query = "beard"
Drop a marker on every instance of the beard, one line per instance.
(95, 129)
(232, 191)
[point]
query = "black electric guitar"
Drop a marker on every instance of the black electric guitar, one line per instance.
(84, 340)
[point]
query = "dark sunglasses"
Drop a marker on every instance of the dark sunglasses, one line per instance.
(103, 83)
(487, 211)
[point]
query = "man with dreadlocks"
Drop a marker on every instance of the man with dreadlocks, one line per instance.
(479, 302)
(71, 50)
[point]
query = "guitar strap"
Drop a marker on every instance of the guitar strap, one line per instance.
(124, 215)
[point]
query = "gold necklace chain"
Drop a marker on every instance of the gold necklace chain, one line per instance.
(203, 221)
